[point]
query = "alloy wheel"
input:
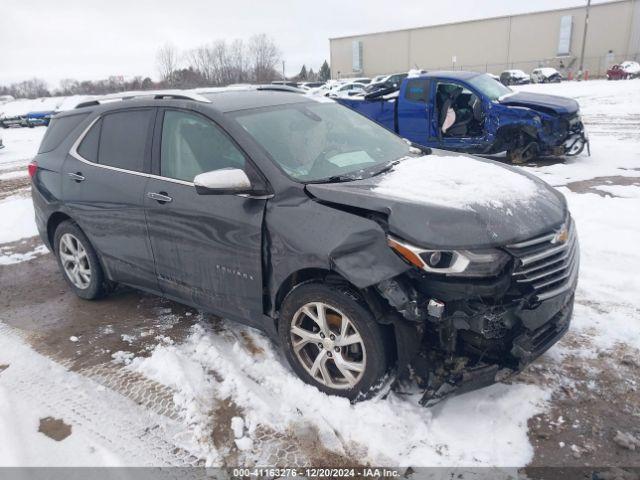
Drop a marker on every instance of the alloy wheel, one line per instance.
(75, 261)
(328, 345)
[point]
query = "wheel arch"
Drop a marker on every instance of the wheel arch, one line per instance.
(369, 297)
(54, 220)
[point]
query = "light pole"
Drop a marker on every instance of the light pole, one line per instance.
(584, 39)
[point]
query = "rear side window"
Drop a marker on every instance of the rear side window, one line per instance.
(123, 139)
(88, 148)
(58, 130)
(192, 145)
(417, 90)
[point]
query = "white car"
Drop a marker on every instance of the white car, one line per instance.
(546, 75)
(347, 90)
(632, 68)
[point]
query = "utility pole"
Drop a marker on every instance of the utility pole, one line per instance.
(284, 78)
(584, 38)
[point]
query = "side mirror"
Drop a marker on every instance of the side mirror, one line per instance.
(224, 181)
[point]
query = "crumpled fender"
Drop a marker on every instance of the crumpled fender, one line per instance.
(306, 234)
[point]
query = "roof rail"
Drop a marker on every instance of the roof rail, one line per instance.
(155, 94)
(280, 88)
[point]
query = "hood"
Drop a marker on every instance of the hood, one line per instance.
(560, 105)
(448, 201)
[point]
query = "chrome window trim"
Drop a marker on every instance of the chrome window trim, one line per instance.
(74, 153)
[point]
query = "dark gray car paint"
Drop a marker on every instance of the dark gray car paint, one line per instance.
(297, 229)
(433, 225)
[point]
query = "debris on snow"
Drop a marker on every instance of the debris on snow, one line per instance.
(54, 428)
(237, 425)
(244, 443)
(123, 357)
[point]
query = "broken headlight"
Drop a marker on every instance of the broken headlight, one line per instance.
(457, 263)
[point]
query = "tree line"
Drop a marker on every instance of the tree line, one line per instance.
(218, 63)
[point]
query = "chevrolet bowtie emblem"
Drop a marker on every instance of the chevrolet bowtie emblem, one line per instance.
(561, 235)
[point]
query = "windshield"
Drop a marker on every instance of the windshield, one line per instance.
(318, 141)
(489, 87)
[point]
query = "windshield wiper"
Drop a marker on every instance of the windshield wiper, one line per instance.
(385, 168)
(334, 179)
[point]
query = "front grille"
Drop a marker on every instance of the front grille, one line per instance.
(545, 265)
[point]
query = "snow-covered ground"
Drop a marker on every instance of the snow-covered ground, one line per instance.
(223, 362)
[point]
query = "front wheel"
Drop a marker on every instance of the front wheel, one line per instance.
(332, 341)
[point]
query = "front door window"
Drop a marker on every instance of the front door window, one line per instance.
(459, 111)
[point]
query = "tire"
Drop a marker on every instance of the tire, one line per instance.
(89, 282)
(319, 349)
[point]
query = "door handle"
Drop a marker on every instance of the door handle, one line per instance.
(160, 197)
(78, 177)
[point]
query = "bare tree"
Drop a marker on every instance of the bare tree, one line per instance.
(264, 56)
(201, 60)
(167, 63)
(238, 62)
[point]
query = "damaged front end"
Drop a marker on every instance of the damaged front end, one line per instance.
(462, 329)
(564, 135)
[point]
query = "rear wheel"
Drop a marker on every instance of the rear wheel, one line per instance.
(332, 341)
(78, 261)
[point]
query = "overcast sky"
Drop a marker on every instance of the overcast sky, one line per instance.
(91, 39)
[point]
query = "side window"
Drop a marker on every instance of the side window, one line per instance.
(88, 148)
(192, 145)
(417, 90)
(58, 130)
(123, 139)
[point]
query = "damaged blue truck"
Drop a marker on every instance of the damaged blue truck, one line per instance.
(489, 118)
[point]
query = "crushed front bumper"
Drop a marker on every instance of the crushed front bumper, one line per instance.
(547, 323)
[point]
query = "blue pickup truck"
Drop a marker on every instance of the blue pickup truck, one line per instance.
(473, 113)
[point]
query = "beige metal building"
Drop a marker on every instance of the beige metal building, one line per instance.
(549, 38)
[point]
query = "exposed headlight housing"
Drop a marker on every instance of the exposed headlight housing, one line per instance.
(455, 263)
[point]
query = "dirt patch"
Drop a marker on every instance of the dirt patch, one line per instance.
(14, 186)
(50, 314)
(597, 398)
(3, 367)
(590, 186)
(221, 432)
(54, 428)
(250, 344)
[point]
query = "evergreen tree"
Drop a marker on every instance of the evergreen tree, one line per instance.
(303, 73)
(325, 72)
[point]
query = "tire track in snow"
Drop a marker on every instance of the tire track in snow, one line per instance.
(135, 435)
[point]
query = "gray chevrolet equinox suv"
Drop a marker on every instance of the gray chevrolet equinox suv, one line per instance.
(365, 257)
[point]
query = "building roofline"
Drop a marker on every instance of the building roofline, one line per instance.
(499, 17)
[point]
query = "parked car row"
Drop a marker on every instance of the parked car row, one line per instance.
(31, 119)
(538, 75)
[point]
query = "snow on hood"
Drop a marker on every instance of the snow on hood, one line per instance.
(449, 200)
(457, 181)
